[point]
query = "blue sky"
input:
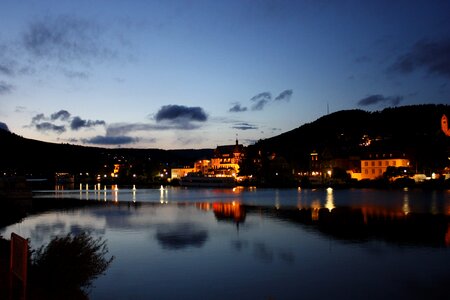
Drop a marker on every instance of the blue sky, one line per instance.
(196, 74)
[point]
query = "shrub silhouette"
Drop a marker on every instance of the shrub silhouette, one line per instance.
(68, 265)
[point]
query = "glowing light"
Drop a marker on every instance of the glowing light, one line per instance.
(444, 125)
(330, 199)
(405, 208)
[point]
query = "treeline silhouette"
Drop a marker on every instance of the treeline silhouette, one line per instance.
(414, 129)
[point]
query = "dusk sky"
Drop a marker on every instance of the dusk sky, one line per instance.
(196, 74)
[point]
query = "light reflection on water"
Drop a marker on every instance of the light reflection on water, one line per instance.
(176, 243)
(405, 201)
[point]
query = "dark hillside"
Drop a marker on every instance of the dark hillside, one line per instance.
(415, 129)
(29, 157)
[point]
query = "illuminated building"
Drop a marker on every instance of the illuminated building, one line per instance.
(180, 172)
(375, 165)
(444, 125)
(314, 166)
(226, 159)
(224, 163)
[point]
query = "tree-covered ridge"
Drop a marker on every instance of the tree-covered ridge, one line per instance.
(415, 129)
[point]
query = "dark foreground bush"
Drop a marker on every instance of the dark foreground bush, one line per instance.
(67, 266)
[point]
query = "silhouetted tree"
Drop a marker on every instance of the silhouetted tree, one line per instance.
(66, 267)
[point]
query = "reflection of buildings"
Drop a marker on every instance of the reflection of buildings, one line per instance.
(229, 211)
(369, 222)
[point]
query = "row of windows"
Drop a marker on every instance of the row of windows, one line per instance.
(373, 171)
(380, 163)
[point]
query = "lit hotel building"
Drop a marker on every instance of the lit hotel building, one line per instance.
(374, 165)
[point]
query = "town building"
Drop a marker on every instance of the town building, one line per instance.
(226, 159)
(375, 164)
(177, 173)
(225, 162)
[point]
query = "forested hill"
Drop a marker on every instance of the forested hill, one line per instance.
(27, 156)
(415, 129)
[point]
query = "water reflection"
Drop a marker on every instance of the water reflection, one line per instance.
(229, 211)
(362, 225)
(163, 198)
(405, 207)
(330, 199)
(181, 235)
(162, 249)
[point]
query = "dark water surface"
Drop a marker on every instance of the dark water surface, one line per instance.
(260, 243)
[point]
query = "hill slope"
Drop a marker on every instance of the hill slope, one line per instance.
(414, 129)
(41, 159)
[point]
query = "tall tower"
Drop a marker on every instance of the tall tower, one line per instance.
(444, 125)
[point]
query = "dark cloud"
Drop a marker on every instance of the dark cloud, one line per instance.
(262, 99)
(266, 96)
(284, 95)
(111, 140)
(78, 123)
(37, 118)
(124, 128)
(5, 88)
(6, 70)
(433, 56)
(47, 126)
(181, 116)
(259, 105)
(376, 99)
(64, 38)
(3, 126)
(237, 108)
(41, 122)
(244, 126)
(62, 115)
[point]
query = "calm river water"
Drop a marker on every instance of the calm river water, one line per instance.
(177, 243)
